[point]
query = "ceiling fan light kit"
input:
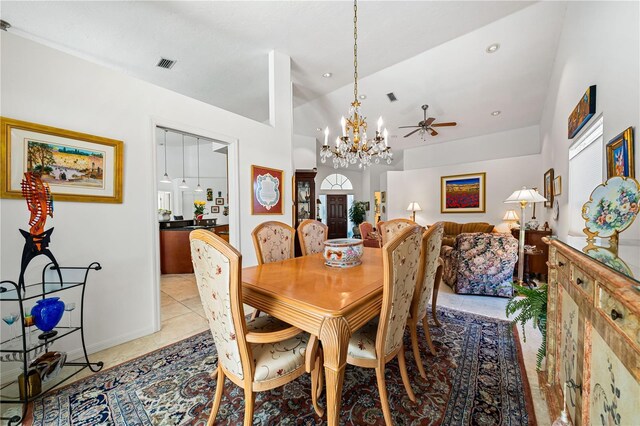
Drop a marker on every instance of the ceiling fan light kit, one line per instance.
(427, 125)
(353, 146)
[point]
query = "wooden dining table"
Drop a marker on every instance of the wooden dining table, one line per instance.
(330, 303)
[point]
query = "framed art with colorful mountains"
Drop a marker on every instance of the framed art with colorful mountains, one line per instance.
(463, 193)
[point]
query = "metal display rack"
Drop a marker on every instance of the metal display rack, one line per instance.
(28, 344)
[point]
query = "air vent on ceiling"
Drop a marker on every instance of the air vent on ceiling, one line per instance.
(166, 63)
(392, 97)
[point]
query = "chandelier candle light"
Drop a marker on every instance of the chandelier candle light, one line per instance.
(523, 196)
(353, 146)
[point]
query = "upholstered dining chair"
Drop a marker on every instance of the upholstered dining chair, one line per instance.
(429, 272)
(381, 339)
(312, 234)
(391, 228)
(258, 355)
(273, 241)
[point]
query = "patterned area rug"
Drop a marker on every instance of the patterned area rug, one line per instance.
(477, 378)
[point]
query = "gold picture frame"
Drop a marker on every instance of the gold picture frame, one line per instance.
(77, 166)
(620, 155)
(465, 193)
(557, 186)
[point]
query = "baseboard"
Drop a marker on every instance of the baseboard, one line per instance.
(8, 375)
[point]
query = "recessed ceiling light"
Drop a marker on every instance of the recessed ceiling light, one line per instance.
(492, 48)
(363, 96)
(393, 136)
(327, 75)
(496, 113)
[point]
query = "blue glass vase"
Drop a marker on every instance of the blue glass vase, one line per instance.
(47, 313)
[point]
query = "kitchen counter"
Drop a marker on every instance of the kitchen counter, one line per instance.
(175, 250)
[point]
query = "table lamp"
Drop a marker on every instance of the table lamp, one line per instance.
(523, 196)
(511, 217)
(413, 208)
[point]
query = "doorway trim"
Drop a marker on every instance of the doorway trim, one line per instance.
(234, 197)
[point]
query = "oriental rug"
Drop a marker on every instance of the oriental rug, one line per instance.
(476, 378)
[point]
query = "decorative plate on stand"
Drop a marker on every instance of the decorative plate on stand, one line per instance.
(612, 207)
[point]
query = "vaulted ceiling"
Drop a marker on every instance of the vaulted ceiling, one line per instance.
(221, 47)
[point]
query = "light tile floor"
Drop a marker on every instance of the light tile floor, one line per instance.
(182, 316)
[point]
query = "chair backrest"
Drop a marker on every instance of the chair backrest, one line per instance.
(429, 255)
(312, 235)
(365, 229)
(217, 266)
(273, 242)
(391, 228)
(401, 258)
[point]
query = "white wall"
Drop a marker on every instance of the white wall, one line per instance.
(507, 144)
(43, 85)
(304, 152)
(423, 185)
(599, 45)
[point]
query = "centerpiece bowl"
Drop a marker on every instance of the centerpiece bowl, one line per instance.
(343, 252)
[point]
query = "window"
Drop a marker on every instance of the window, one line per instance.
(586, 171)
(336, 182)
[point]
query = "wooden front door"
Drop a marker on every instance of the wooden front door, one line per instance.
(337, 216)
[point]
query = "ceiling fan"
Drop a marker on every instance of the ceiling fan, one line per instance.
(427, 125)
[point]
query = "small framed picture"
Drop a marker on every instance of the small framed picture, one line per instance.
(557, 186)
(367, 206)
(219, 201)
(620, 155)
(548, 188)
(209, 194)
(383, 197)
(215, 209)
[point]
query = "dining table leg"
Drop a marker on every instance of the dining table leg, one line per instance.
(334, 335)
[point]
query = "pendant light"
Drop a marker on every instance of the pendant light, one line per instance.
(183, 184)
(198, 188)
(165, 178)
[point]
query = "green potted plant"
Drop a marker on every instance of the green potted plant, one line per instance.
(357, 215)
(532, 306)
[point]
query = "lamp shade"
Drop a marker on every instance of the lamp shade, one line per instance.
(526, 195)
(414, 207)
(511, 215)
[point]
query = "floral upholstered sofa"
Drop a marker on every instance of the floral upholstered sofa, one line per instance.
(481, 263)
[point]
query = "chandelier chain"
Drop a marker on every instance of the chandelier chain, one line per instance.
(355, 50)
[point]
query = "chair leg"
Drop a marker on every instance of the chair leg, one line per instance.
(217, 398)
(249, 401)
(384, 401)
(405, 377)
(255, 314)
(413, 328)
(434, 296)
(427, 333)
(316, 384)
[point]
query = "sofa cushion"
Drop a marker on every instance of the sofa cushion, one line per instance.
(476, 227)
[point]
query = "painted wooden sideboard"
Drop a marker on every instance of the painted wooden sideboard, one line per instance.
(593, 335)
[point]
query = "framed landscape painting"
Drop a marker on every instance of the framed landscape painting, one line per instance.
(582, 112)
(267, 190)
(77, 166)
(463, 193)
(620, 155)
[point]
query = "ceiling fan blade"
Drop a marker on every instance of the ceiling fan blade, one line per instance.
(433, 132)
(408, 127)
(452, 123)
(429, 121)
(407, 135)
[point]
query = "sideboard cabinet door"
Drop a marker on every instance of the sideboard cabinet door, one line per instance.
(568, 354)
(614, 393)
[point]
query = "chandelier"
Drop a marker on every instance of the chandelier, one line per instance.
(354, 146)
